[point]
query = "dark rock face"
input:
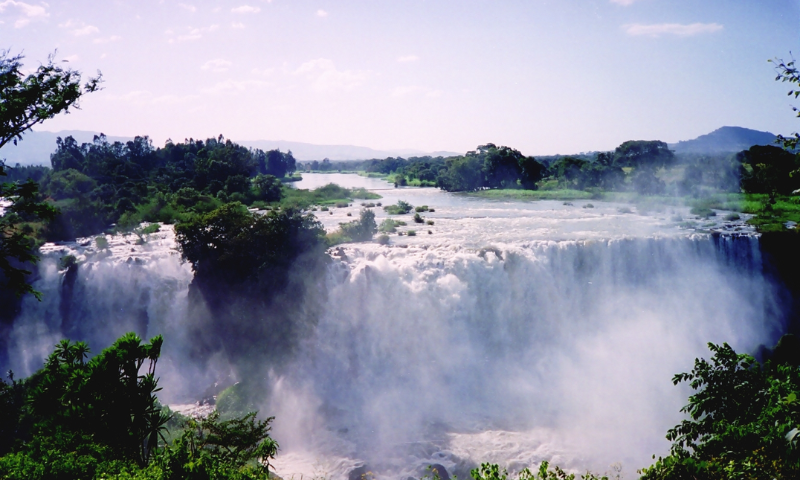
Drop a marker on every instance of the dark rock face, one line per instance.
(360, 473)
(781, 265)
(439, 470)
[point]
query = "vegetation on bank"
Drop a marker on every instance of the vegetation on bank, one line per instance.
(80, 418)
(92, 418)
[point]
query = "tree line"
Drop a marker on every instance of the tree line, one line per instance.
(635, 165)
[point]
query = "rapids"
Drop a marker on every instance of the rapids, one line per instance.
(514, 332)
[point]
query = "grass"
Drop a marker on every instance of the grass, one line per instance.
(328, 195)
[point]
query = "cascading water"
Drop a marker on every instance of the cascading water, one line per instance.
(513, 333)
(555, 351)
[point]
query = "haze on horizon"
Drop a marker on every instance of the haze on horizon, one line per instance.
(541, 76)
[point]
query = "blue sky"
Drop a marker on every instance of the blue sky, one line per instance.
(541, 76)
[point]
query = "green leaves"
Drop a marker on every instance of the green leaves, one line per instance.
(742, 423)
(43, 94)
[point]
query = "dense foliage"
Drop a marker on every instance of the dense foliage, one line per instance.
(80, 418)
(27, 100)
(100, 183)
(743, 421)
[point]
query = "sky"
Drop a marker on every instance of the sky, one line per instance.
(541, 76)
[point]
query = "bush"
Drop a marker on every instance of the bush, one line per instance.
(383, 239)
(411, 233)
(152, 228)
(398, 209)
(101, 242)
(67, 261)
(429, 222)
(418, 219)
(421, 209)
(741, 422)
(732, 216)
(358, 230)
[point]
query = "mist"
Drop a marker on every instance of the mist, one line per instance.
(453, 349)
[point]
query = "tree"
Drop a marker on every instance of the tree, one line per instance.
(363, 229)
(28, 100)
(743, 421)
(788, 72)
(768, 169)
(636, 153)
(24, 102)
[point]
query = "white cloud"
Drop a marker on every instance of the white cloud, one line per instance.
(408, 58)
(26, 11)
(245, 9)
(322, 13)
(237, 25)
(624, 3)
(656, 30)
(416, 90)
(216, 65)
(87, 30)
(325, 77)
(112, 38)
(188, 7)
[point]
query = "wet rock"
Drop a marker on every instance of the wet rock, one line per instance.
(360, 473)
(438, 470)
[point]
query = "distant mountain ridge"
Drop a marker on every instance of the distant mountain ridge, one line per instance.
(36, 146)
(725, 139)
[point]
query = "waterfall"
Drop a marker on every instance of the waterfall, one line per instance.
(512, 353)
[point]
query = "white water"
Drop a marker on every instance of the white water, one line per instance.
(516, 332)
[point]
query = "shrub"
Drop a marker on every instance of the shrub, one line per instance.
(388, 226)
(411, 233)
(418, 219)
(429, 222)
(349, 214)
(383, 239)
(324, 209)
(399, 208)
(342, 204)
(588, 205)
(101, 242)
(68, 261)
(152, 228)
(362, 229)
(732, 216)
(421, 209)
(431, 210)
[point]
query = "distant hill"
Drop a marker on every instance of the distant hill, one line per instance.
(308, 151)
(725, 139)
(36, 147)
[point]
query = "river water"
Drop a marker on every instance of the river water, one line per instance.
(513, 332)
